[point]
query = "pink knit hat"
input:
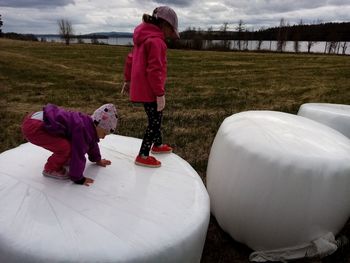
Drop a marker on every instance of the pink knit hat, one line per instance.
(106, 118)
(169, 15)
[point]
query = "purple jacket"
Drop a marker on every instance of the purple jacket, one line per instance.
(80, 130)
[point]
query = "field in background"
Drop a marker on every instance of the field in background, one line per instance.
(202, 89)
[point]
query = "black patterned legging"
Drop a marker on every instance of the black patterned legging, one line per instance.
(153, 133)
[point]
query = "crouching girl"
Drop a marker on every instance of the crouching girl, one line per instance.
(69, 135)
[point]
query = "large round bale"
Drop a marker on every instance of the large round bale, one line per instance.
(278, 180)
(129, 214)
(336, 116)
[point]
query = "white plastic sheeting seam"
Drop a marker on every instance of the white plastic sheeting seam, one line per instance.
(320, 247)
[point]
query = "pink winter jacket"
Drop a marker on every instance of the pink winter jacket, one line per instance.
(146, 65)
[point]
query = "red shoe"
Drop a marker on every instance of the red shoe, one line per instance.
(61, 175)
(148, 161)
(164, 148)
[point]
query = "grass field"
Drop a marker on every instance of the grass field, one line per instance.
(203, 88)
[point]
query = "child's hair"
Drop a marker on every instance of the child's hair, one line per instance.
(151, 19)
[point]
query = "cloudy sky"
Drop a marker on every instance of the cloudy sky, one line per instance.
(86, 16)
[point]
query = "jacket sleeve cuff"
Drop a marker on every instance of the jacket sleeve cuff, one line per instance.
(80, 181)
(94, 159)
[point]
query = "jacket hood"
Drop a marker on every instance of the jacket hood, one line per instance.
(144, 31)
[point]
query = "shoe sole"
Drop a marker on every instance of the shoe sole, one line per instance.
(56, 177)
(147, 165)
(161, 152)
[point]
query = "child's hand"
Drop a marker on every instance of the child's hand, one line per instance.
(160, 103)
(88, 181)
(103, 162)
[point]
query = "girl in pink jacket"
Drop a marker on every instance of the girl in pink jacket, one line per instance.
(145, 75)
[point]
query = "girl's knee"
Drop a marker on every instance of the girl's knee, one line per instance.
(30, 128)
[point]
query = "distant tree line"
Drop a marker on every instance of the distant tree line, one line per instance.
(313, 32)
(336, 36)
(26, 37)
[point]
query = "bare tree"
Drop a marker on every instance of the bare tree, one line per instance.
(309, 45)
(240, 30)
(65, 30)
(296, 36)
(333, 42)
(332, 47)
(223, 29)
(344, 46)
(1, 23)
(281, 36)
(259, 44)
(260, 39)
(310, 42)
(337, 48)
(94, 40)
(209, 42)
(245, 39)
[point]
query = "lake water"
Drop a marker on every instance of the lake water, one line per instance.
(124, 41)
(317, 47)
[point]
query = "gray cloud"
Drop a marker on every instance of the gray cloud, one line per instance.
(278, 6)
(35, 3)
(264, 13)
(29, 16)
(172, 3)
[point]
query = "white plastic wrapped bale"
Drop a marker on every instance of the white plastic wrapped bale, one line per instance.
(278, 180)
(129, 214)
(336, 116)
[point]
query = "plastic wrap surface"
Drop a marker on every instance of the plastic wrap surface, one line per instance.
(278, 180)
(129, 214)
(336, 116)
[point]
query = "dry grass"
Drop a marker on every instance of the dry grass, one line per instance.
(203, 88)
